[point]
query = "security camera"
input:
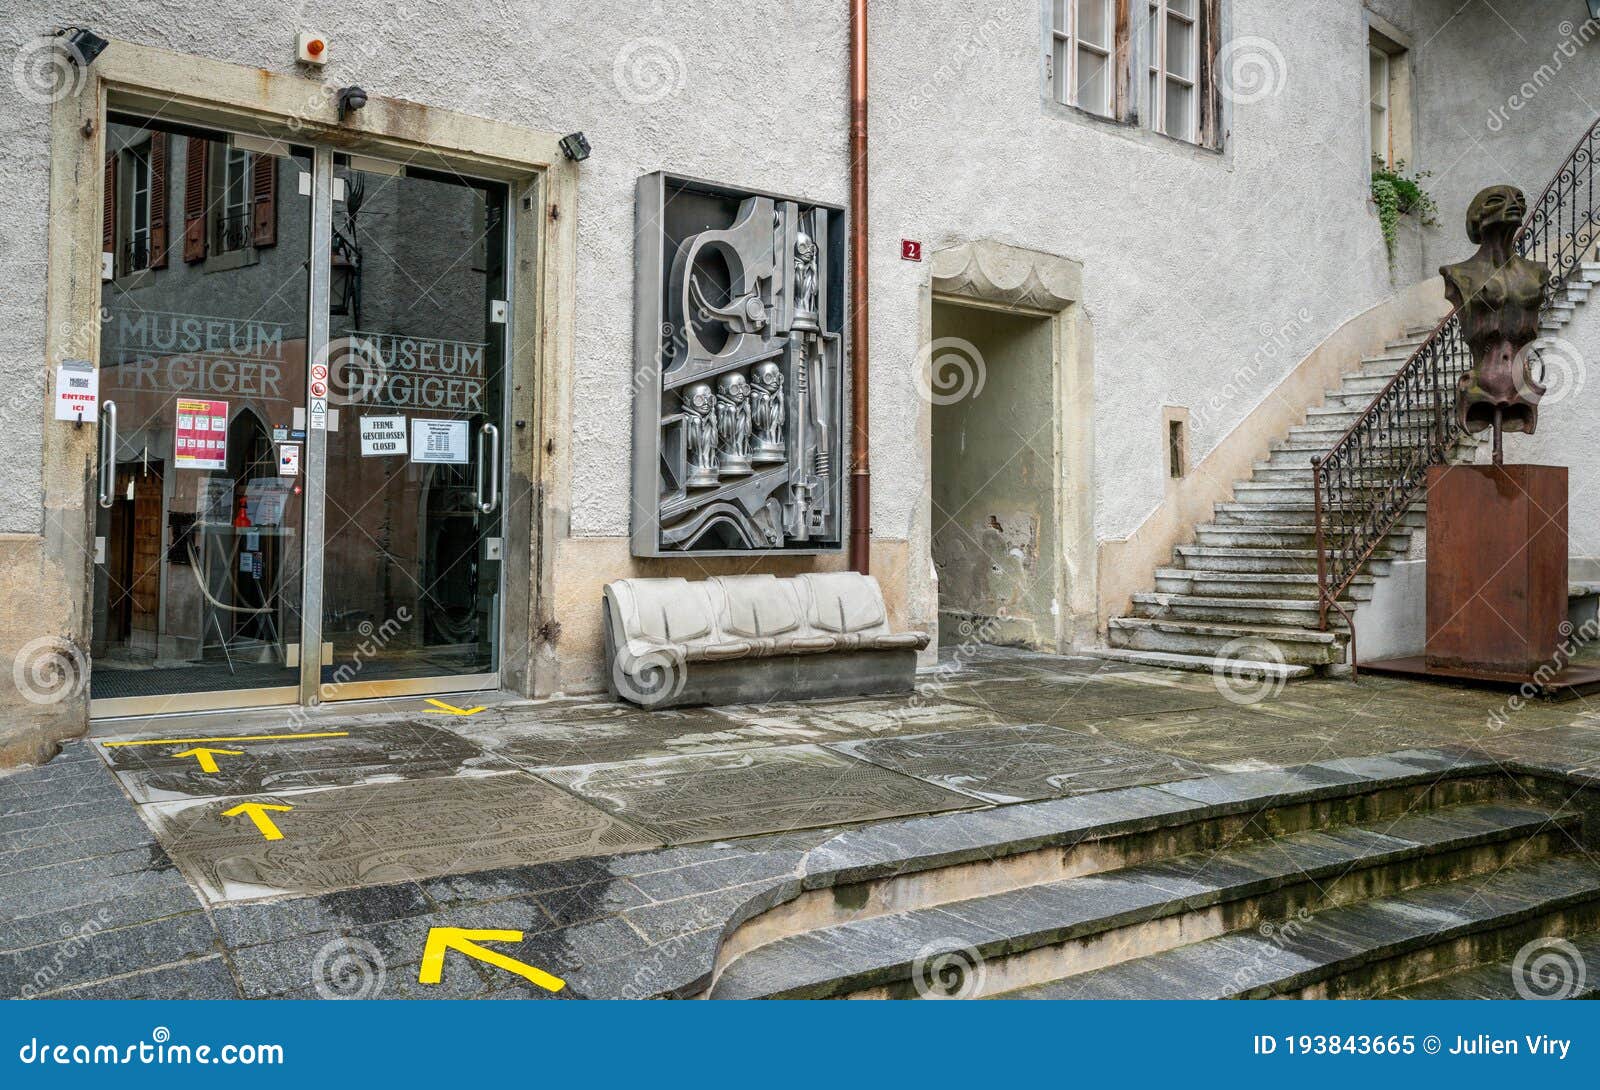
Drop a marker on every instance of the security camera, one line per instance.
(351, 99)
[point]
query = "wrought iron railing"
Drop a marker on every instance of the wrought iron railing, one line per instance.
(233, 232)
(1378, 468)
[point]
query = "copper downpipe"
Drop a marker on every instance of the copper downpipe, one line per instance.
(860, 473)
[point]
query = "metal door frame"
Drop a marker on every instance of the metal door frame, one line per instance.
(310, 691)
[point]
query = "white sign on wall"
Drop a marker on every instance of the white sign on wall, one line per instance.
(77, 391)
(439, 441)
(382, 435)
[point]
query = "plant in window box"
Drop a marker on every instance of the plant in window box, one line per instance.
(1397, 194)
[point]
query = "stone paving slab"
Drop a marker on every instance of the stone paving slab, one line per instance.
(647, 921)
(1016, 763)
(1241, 739)
(351, 836)
(718, 796)
(268, 762)
(1068, 700)
(1572, 749)
(595, 734)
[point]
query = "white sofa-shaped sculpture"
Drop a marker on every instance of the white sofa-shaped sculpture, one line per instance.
(750, 638)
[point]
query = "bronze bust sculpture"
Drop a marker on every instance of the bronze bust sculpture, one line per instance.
(1499, 295)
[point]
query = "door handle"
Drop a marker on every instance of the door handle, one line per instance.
(488, 470)
(108, 453)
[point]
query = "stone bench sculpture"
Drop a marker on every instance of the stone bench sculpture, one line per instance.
(752, 638)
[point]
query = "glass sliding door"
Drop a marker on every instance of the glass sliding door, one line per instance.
(199, 527)
(418, 316)
(301, 448)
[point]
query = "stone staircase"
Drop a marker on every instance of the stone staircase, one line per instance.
(1415, 875)
(1245, 589)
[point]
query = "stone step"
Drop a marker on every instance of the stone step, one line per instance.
(1040, 932)
(1244, 669)
(1263, 561)
(1360, 384)
(1272, 537)
(1343, 401)
(1297, 646)
(1235, 584)
(1359, 950)
(1563, 978)
(1289, 505)
(1341, 417)
(1293, 612)
(1296, 453)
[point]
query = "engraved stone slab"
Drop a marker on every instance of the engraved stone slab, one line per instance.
(1245, 738)
(591, 737)
(345, 837)
(718, 796)
(1063, 700)
(1012, 764)
(369, 752)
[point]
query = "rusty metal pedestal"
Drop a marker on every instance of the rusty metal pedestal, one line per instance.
(1497, 582)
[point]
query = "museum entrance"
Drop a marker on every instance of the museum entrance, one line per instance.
(301, 381)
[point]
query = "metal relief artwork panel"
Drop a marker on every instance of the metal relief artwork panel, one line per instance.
(738, 373)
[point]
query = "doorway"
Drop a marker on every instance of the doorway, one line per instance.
(302, 385)
(994, 518)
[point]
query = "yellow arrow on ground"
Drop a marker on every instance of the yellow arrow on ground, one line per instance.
(441, 939)
(206, 757)
(451, 709)
(257, 812)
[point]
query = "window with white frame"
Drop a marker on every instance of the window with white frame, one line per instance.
(1172, 52)
(233, 229)
(136, 189)
(1160, 74)
(1378, 106)
(1083, 54)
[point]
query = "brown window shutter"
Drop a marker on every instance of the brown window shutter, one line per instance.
(158, 200)
(108, 214)
(264, 199)
(1209, 85)
(194, 200)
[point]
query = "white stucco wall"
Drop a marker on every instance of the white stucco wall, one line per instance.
(1500, 101)
(1533, 93)
(1192, 261)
